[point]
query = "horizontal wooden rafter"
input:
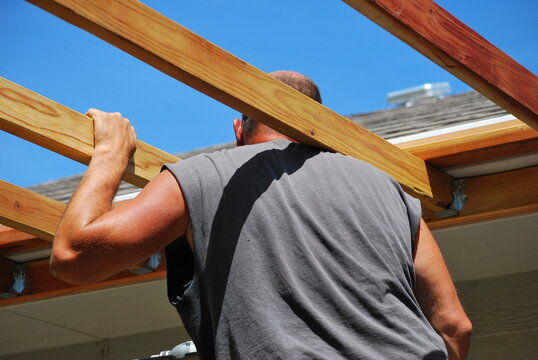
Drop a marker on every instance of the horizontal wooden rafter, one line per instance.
(51, 125)
(138, 30)
(21, 244)
(495, 196)
(473, 145)
(438, 35)
(41, 284)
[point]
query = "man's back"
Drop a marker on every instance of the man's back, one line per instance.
(298, 254)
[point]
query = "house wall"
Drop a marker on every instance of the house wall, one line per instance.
(120, 348)
(504, 312)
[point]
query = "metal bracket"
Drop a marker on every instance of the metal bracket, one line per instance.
(150, 265)
(181, 351)
(19, 282)
(458, 187)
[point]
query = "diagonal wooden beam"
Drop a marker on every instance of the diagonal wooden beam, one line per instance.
(39, 215)
(448, 42)
(67, 132)
(29, 212)
(167, 46)
(34, 214)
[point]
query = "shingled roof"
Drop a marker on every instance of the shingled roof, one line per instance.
(390, 123)
(435, 114)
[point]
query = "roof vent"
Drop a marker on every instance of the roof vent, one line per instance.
(419, 94)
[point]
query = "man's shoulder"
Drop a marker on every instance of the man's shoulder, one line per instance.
(241, 152)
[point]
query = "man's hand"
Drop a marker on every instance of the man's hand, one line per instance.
(113, 134)
(94, 240)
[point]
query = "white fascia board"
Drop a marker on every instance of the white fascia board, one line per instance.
(31, 255)
(452, 129)
(493, 166)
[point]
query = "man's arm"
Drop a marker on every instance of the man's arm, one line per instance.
(437, 296)
(95, 241)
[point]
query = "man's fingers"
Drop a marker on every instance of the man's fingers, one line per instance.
(95, 112)
(91, 112)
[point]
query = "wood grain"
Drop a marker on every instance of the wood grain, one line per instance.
(17, 246)
(29, 212)
(46, 123)
(162, 43)
(448, 42)
(8, 234)
(41, 284)
(473, 145)
(492, 196)
(14, 241)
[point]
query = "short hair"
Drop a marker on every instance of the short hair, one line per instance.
(293, 79)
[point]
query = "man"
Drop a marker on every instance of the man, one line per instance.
(275, 249)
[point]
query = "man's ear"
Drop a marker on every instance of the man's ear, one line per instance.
(238, 130)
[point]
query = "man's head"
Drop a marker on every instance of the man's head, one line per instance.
(249, 131)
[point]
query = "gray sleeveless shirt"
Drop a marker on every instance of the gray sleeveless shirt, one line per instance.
(298, 254)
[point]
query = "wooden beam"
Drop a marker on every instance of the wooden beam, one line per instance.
(473, 145)
(493, 196)
(438, 35)
(41, 284)
(162, 43)
(26, 215)
(29, 212)
(46, 123)
(38, 215)
(9, 236)
(17, 244)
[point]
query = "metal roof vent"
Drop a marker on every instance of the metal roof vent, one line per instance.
(419, 94)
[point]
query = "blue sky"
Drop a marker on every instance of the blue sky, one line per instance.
(355, 63)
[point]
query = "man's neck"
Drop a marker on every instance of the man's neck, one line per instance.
(258, 138)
